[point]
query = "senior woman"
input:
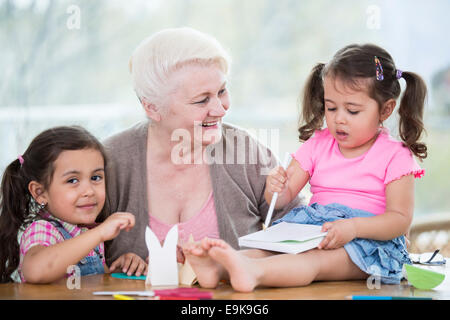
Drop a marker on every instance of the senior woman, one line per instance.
(183, 165)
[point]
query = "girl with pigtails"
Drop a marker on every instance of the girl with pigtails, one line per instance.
(361, 178)
(52, 212)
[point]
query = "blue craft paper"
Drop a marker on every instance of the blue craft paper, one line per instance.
(125, 276)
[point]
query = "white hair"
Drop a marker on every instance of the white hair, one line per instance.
(167, 50)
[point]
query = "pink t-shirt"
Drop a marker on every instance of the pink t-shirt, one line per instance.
(44, 233)
(203, 224)
(358, 182)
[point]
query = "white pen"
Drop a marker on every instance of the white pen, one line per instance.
(287, 160)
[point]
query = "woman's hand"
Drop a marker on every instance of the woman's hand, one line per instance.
(340, 232)
(130, 263)
(110, 228)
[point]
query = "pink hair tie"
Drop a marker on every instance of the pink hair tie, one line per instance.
(21, 160)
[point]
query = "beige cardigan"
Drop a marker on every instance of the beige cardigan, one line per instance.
(238, 188)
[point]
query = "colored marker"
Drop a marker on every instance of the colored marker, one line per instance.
(388, 298)
(176, 298)
(122, 297)
(125, 293)
(125, 276)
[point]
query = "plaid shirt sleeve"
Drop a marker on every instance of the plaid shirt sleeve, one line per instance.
(40, 232)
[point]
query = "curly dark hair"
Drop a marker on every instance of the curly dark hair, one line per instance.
(355, 62)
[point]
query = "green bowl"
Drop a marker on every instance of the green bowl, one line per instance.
(423, 279)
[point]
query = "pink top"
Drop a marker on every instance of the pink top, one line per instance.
(203, 224)
(357, 182)
(42, 232)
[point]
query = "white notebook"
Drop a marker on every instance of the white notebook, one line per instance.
(285, 237)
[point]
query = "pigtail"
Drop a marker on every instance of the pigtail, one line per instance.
(14, 209)
(313, 110)
(411, 114)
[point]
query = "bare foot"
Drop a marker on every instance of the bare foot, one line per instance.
(242, 272)
(207, 270)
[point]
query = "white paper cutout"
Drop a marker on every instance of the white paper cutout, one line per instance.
(163, 267)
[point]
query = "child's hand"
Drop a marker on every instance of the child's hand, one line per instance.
(111, 227)
(130, 263)
(407, 242)
(340, 232)
(277, 180)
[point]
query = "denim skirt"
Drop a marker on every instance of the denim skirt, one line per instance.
(383, 259)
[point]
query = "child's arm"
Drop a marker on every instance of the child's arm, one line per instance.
(398, 215)
(288, 183)
(46, 264)
(393, 223)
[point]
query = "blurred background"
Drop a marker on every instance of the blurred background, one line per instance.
(66, 62)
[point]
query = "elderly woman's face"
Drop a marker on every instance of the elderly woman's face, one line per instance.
(197, 101)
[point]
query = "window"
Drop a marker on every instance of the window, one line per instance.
(66, 62)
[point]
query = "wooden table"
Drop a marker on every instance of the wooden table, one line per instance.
(330, 290)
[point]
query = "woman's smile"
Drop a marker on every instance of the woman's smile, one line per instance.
(210, 124)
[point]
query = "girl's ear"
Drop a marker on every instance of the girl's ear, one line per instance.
(387, 109)
(38, 192)
(151, 110)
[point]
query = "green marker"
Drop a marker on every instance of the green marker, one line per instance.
(125, 276)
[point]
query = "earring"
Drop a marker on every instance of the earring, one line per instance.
(42, 205)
